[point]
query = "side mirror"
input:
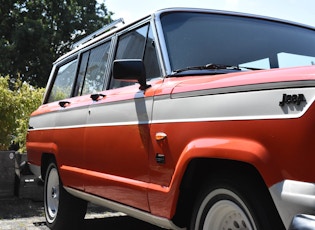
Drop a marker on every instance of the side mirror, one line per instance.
(130, 70)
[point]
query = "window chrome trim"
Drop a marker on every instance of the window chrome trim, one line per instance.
(162, 46)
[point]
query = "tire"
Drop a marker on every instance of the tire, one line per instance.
(234, 203)
(62, 210)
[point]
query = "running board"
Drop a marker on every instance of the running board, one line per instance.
(138, 214)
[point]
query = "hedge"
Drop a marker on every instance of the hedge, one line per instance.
(17, 101)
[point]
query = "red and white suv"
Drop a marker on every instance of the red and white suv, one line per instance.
(187, 118)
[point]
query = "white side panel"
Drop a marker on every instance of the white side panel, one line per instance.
(232, 106)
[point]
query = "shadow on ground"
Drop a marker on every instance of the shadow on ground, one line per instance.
(120, 222)
(97, 217)
(117, 222)
(12, 208)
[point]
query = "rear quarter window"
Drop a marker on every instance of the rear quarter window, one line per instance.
(64, 82)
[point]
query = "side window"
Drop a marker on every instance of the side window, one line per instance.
(150, 58)
(137, 44)
(64, 81)
(94, 73)
(132, 44)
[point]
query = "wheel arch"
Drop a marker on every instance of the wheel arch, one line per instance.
(234, 150)
(46, 159)
(198, 172)
(240, 151)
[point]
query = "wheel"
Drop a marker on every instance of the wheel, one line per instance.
(223, 209)
(61, 208)
(234, 203)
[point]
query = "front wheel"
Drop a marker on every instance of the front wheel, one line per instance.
(234, 203)
(62, 210)
(223, 209)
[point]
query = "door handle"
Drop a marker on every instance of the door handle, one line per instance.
(64, 104)
(97, 96)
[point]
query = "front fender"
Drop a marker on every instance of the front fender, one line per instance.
(237, 149)
(163, 200)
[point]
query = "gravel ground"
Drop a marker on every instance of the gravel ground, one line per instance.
(24, 214)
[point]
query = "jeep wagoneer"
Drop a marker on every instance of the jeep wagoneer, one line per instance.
(187, 119)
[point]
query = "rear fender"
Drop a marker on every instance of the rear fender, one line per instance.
(35, 150)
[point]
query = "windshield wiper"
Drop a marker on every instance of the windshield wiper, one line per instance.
(212, 66)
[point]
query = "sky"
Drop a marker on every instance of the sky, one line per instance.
(301, 11)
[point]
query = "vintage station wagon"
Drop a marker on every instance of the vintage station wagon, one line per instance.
(187, 119)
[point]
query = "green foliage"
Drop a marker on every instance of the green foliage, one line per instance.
(7, 113)
(16, 106)
(58, 93)
(34, 33)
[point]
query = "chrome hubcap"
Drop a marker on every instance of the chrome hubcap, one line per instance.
(52, 196)
(226, 215)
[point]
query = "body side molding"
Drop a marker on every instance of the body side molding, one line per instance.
(147, 217)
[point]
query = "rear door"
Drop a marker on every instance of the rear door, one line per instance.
(69, 121)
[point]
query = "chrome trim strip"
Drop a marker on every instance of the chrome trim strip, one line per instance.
(90, 125)
(162, 50)
(141, 215)
(247, 88)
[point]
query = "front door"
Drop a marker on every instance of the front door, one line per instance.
(117, 145)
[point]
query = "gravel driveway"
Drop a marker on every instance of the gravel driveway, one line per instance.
(24, 214)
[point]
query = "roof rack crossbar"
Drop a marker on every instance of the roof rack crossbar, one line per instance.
(97, 33)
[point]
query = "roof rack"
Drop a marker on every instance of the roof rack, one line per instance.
(97, 33)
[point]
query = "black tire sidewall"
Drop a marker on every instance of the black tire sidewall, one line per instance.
(251, 196)
(50, 224)
(71, 210)
(213, 199)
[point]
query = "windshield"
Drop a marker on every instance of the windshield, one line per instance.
(197, 39)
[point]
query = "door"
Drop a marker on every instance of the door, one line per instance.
(117, 135)
(117, 146)
(69, 120)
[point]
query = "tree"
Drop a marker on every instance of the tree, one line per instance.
(34, 33)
